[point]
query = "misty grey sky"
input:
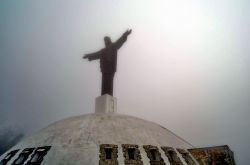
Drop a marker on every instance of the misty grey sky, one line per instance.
(185, 65)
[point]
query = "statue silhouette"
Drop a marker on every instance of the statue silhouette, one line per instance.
(108, 61)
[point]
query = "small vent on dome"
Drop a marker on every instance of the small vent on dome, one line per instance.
(131, 154)
(23, 156)
(108, 154)
(8, 157)
(38, 155)
(172, 155)
(154, 155)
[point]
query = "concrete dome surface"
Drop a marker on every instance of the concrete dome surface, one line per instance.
(77, 140)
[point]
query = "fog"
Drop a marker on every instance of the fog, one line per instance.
(185, 65)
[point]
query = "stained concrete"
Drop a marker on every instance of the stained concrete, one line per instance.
(76, 140)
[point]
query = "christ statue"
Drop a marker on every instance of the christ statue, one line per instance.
(108, 61)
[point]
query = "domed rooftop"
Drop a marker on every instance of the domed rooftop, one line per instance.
(92, 138)
(95, 129)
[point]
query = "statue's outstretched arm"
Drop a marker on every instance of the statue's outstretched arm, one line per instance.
(93, 56)
(122, 39)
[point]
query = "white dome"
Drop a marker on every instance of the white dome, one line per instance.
(77, 140)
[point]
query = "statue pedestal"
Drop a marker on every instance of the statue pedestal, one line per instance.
(105, 104)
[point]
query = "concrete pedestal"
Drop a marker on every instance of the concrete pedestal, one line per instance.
(105, 104)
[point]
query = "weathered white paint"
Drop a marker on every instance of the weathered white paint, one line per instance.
(105, 104)
(76, 140)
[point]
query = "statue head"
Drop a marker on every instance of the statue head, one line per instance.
(107, 41)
